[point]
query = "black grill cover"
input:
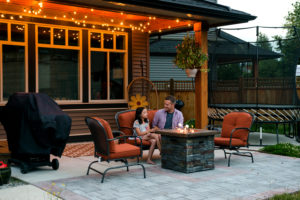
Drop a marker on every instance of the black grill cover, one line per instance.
(35, 125)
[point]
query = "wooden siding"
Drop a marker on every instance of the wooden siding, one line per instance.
(140, 54)
(78, 124)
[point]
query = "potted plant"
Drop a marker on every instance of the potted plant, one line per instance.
(189, 56)
(5, 173)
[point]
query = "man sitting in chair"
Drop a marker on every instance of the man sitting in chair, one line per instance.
(168, 117)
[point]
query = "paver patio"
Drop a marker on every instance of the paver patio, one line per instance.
(268, 175)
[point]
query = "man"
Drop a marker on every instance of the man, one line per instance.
(168, 117)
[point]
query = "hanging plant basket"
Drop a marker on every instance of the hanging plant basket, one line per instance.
(191, 72)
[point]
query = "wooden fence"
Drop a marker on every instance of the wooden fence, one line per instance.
(242, 91)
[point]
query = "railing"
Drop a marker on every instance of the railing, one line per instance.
(229, 85)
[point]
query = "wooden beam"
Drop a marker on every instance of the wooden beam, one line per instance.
(201, 83)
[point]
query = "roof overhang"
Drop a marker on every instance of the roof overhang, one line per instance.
(154, 17)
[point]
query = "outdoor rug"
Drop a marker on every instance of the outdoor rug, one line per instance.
(79, 149)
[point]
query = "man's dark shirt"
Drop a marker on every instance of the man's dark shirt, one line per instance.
(169, 119)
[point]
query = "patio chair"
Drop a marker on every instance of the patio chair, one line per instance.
(125, 121)
(106, 149)
(235, 134)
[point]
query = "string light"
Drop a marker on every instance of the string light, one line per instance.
(2, 15)
(11, 17)
(92, 10)
(40, 4)
(20, 16)
(85, 17)
(74, 12)
(177, 20)
(65, 16)
(7, 1)
(45, 16)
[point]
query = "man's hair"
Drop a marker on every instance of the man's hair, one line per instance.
(171, 98)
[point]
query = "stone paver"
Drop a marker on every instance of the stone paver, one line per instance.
(268, 175)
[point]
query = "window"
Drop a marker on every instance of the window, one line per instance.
(59, 63)
(58, 73)
(107, 65)
(13, 70)
(3, 31)
(98, 75)
(116, 61)
(13, 65)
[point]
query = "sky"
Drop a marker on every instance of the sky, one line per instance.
(268, 13)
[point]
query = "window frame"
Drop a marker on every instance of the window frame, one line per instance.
(108, 51)
(58, 46)
(13, 43)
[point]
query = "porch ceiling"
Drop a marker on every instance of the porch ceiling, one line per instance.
(154, 17)
(84, 16)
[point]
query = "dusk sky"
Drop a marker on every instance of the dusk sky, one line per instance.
(268, 12)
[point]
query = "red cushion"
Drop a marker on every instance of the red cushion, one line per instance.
(126, 120)
(219, 141)
(106, 126)
(138, 142)
(123, 151)
(236, 120)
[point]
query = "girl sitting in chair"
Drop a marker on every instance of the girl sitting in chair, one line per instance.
(142, 128)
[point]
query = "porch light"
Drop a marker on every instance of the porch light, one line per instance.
(40, 4)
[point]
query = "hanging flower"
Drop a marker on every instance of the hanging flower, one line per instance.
(137, 101)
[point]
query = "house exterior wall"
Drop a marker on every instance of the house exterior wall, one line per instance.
(137, 55)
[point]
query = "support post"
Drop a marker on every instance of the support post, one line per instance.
(201, 81)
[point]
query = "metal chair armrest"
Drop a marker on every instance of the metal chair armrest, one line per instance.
(117, 133)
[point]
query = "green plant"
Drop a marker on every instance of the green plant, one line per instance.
(189, 54)
(286, 196)
(285, 149)
(190, 122)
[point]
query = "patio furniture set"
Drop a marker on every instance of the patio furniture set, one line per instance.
(185, 150)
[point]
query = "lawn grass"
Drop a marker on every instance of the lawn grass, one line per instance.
(293, 196)
(284, 149)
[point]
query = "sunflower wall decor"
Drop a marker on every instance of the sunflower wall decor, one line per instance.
(137, 101)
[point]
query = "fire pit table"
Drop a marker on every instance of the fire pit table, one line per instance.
(187, 150)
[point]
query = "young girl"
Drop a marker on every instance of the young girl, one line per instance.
(141, 128)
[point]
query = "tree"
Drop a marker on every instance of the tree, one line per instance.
(267, 68)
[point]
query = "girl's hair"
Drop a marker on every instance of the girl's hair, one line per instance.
(138, 114)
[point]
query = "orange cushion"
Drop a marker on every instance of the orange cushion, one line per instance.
(219, 141)
(123, 151)
(236, 120)
(106, 126)
(138, 142)
(126, 120)
(151, 114)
